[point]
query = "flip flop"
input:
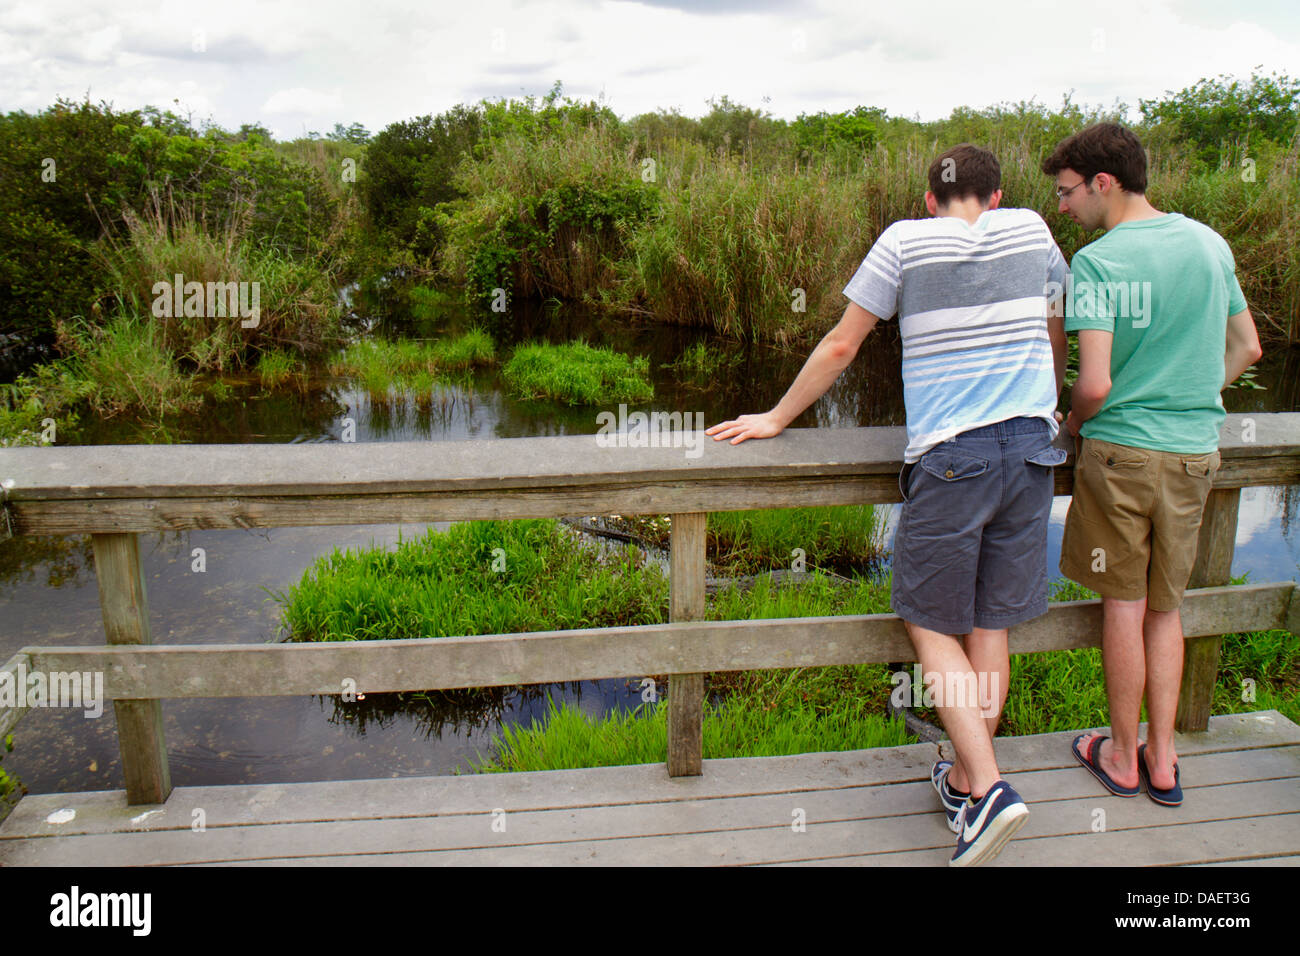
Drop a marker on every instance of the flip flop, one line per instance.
(1173, 797)
(1088, 762)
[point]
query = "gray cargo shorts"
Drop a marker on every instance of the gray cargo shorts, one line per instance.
(971, 545)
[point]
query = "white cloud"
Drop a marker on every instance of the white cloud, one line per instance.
(375, 63)
(302, 100)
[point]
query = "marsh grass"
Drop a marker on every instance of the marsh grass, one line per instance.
(427, 302)
(390, 372)
(843, 539)
(126, 367)
(297, 307)
(702, 367)
(846, 539)
(577, 374)
(276, 367)
(753, 254)
(740, 726)
(444, 584)
(730, 239)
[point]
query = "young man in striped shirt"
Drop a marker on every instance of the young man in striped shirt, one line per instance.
(982, 369)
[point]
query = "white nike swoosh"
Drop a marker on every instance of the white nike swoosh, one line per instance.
(967, 829)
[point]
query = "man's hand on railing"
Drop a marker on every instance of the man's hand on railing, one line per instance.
(766, 425)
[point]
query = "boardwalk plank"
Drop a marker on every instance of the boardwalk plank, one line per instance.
(890, 818)
(739, 812)
(1190, 844)
(106, 811)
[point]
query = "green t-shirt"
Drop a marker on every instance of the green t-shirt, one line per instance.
(1164, 287)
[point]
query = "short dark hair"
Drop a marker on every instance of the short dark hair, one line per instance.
(965, 170)
(1102, 148)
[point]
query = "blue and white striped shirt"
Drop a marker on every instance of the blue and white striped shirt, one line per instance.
(972, 307)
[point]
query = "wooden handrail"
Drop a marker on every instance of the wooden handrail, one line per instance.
(131, 488)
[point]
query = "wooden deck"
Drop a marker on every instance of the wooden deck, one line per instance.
(872, 807)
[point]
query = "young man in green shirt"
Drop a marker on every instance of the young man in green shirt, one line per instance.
(1163, 327)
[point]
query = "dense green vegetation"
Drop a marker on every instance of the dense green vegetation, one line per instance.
(510, 577)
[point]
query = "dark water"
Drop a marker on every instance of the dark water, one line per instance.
(48, 593)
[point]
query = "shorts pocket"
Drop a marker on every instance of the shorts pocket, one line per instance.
(1049, 457)
(1118, 457)
(954, 465)
(1205, 467)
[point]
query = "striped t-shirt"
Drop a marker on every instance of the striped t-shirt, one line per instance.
(972, 307)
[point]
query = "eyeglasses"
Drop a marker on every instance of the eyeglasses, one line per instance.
(1061, 195)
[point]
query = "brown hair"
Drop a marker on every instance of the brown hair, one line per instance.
(1102, 148)
(965, 170)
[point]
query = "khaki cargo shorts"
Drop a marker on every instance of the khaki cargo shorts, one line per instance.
(1134, 521)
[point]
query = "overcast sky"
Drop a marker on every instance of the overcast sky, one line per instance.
(305, 66)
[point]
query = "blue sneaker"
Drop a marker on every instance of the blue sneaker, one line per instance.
(985, 826)
(951, 799)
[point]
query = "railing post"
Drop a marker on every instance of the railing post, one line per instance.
(126, 621)
(686, 603)
(1213, 568)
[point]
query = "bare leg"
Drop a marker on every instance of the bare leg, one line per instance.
(1124, 661)
(987, 652)
(941, 655)
(1163, 636)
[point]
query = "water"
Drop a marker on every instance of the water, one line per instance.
(49, 597)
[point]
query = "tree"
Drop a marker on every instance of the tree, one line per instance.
(1222, 114)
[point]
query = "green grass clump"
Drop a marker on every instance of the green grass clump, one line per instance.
(128, 367)
(474, 347)
(748, 725)
(447, 584)
(1271, 659)
(830, 537)
(380, 366)
(578, 374)
(847, 539)
(701, 367)
(276, 367)
(426, 302)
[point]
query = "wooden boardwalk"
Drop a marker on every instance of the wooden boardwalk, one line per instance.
(872, 807)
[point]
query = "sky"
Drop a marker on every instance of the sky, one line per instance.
(299, 67)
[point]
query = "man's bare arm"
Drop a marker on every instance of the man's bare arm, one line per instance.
(1060, 344)
(1243, 346)
(832, 356)
(1093, 386)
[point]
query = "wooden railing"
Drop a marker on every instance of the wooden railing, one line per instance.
(116, 492)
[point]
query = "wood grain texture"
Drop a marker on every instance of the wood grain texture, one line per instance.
(873, 807)
(72, 489)
(691, 647)
(1213, 567)
(125, 610)
(686, 603)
